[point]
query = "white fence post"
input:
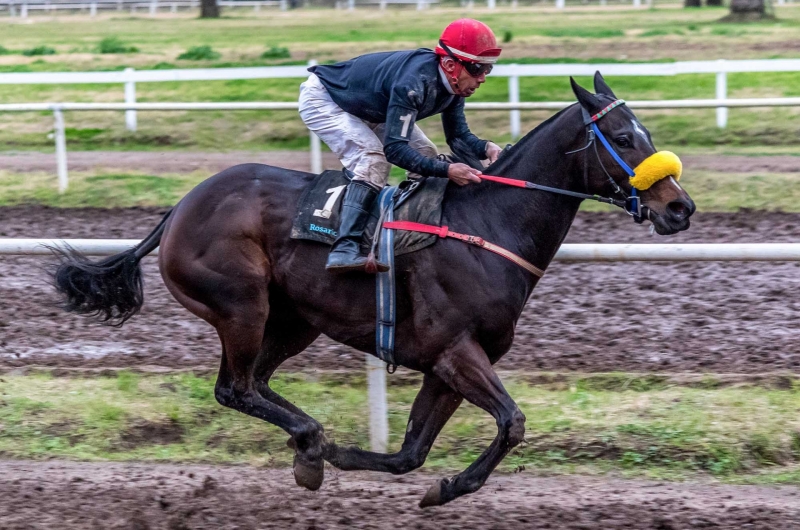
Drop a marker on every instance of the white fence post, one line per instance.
(637, 3)
(130, 99)
(378, 411)
(560, 4)
(316, 145)
(491, 4)
(351, 5)
(513, 97)
(421, 4)
(722, 93)
(93, 9)
(61, 149)
(12, 10)
(173, 8)
(284, 5)
(24, 11)
(153, 8)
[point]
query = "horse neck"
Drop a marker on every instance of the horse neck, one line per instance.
(530, 222)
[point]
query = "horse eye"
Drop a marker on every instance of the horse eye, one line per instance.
(622, 141)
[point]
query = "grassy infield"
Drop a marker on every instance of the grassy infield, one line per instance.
(629, 424)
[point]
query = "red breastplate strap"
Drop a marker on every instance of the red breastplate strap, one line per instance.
(442, 231)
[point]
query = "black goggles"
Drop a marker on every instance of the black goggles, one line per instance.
(473, 69)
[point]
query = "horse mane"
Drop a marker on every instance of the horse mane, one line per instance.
(508, 153)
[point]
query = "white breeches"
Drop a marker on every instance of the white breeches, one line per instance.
(358, 144)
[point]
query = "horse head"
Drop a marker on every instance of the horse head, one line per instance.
(621, 161)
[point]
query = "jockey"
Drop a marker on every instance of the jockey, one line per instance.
(365, 110)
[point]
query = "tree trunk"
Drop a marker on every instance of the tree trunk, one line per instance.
(746, 10)
(209, 9)
(691, 3)
(714, 3)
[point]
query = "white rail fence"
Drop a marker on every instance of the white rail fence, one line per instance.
(316, 148)
(23, 8)
(376, 374)
(129, 77)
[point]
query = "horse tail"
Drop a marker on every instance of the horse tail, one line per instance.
(110, 289)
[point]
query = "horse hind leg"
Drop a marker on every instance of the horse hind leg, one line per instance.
(285, 335)
(243, 386)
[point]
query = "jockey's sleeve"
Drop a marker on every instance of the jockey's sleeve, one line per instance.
(455, 126)
(400, 117)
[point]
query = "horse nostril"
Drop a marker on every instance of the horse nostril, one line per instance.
(679, 210)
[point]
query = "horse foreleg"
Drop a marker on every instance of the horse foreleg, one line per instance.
(434, 405)
(467, 370)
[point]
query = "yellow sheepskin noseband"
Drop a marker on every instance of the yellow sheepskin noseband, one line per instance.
(656, 167)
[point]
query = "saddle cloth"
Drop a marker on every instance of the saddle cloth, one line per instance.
(317, 217)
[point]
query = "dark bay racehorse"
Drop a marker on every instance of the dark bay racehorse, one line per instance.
(226, 255)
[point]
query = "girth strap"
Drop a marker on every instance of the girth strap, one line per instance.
(443, 231)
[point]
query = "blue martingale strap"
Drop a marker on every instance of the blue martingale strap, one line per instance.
(611, 151)
(385, 292)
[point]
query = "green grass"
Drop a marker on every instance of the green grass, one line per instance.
(711, 191)
(651, 428)
(535, 36)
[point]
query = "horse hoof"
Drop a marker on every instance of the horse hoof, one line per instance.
(308, 474)
(434, 495)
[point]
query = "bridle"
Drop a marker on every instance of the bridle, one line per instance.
(631, 204)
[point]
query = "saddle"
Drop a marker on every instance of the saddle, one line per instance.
(420, 201)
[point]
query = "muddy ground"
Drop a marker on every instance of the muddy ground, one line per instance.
(166, 162)
(71, 495)
(692, 317)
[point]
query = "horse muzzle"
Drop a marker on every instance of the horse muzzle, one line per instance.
(674, 218)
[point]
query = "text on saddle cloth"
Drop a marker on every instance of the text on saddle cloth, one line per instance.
(317, 217)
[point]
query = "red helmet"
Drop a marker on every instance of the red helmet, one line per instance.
(469, 40)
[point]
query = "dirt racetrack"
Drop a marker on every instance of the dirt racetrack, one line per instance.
(700, 317)
(73, 495)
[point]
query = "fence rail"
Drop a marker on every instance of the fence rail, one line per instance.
(129, 77)
(570, 252)
(376, 374)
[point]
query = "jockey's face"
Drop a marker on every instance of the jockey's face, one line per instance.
(462, 83)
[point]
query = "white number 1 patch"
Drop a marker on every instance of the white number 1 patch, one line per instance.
(406, 122)
(326, 211)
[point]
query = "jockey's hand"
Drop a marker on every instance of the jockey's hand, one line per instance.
(462, 174)
(492, 152)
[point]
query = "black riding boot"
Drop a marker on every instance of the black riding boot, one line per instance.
(345, 255)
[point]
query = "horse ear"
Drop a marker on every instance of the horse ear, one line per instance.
(587, 100)
(600, 86)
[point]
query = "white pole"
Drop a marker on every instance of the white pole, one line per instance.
(378, 411)
(173, 8)
(637, 3)
(153, 8)
(12, 10)
(351, 5)
(420, 5)
(383, 5)
(560, 4)
(284, 5)
(513, 97)
(722, 93)
(93, 10)
(130, 98)
(316, 145)
(61, 150)
(491, 4)
(24, 11)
